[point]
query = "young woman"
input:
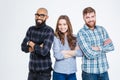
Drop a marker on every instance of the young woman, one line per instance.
(65, 50)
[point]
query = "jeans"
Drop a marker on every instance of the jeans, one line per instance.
(89, 76)
(60, 76)
(39, 75)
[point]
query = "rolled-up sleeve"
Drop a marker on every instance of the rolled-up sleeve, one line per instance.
(109, 47)
(86, 48)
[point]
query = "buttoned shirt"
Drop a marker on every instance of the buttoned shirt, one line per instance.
(94, 61)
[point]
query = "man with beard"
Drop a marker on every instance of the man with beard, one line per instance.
(38, 42)
(95, 43)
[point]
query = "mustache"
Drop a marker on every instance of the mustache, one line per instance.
(90, 21)
(39, 19)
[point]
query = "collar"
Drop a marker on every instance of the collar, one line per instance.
(87, 28)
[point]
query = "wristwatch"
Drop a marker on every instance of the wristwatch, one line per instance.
(28, 43)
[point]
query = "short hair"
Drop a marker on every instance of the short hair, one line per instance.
(42, 8)
(88, 10)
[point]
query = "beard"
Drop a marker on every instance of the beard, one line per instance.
(39, 23)
(91, 25)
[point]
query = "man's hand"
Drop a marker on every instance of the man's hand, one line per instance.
(31, 49)
(96, 48)
(108, 41)
(31, 44)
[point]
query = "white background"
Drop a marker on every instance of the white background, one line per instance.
(17, 15)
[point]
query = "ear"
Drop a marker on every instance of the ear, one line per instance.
(47, 17)
(83, 17)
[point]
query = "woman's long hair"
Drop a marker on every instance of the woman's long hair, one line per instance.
(70, 37)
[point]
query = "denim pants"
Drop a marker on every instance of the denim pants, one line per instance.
(89, 76)
(60, 76)
(39, 75)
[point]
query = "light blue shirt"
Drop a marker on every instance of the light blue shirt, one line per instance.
(94, 61)
(64, 65)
